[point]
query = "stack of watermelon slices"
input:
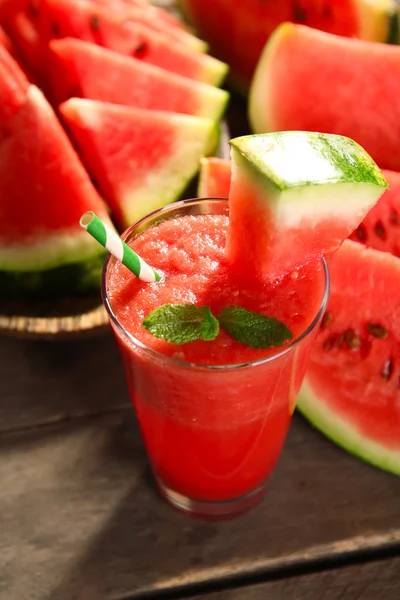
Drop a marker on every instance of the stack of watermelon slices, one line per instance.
(352, 389)
(107, 105)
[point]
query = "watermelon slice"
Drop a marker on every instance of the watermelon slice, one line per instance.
(141, 159)
(44, 191)
(101, 25)
(214, 177)
(238, 31)
(315, 81)
(83, 69)
(381, 227)
(296, 195)
(352, 391)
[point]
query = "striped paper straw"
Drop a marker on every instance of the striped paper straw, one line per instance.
(121, 251)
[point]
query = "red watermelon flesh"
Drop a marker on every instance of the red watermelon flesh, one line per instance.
(314, 81)
(13, 90)
(20, 22)
(237, 31)
(39, 217)
(381, 227)
(214, 177)
(8, 44)
(141, 159)
(153, 18)
(352, 388)
(103, 26)
(89, 71)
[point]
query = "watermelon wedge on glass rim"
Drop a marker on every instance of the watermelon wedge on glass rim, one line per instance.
(295, 196)
(380, 229)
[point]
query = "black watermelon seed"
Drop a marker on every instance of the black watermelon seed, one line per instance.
(361, 233)
(394, 217)
(340, 340)
(326, 12)
(33, 9)
(328, 344)
(299, 13)
(352, 339)
(95, 23)
(380, 230)
(387, 369)
(378, 331)
(326, 320)
(140, 50)
(55, 29)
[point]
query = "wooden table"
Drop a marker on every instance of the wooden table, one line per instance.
(79, 517)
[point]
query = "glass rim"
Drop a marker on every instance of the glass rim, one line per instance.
(190, 365)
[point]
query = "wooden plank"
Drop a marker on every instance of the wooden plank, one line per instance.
(79, 517)
(42, 382)
(370, 581)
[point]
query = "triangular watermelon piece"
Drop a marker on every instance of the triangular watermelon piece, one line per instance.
(89, 71)
(141, 159)
(44, 191)
(295, 196)
(103, 26)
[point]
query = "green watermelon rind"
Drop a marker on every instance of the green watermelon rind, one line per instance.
(344, 434)
(67, 281)
(49, 251)
(330, 159)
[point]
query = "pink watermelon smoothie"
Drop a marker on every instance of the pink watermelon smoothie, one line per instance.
(213, 428)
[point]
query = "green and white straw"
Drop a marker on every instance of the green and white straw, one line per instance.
(121, 251)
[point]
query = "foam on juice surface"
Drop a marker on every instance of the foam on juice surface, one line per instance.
(190, 252)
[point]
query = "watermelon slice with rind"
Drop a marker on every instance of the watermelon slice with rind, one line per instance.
(315, 81)
(141, 159)
(44, 191)
(89, 71)
(100, 25)
(295, 196)
(351, 391)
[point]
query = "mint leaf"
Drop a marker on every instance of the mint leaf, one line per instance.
(253, 329)
(182, 323)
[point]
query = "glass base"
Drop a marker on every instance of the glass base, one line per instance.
(208, 510)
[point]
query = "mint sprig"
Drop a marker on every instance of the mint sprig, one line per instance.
(184, 323)
(253, 329)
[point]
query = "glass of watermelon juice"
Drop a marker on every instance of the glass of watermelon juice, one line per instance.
(213, 415)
